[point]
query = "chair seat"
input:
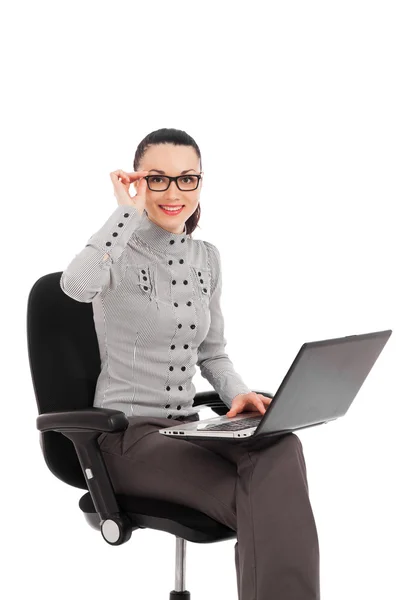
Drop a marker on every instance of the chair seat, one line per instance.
(182, 521)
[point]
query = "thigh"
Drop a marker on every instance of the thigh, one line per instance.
(143, 462)
(235, 449)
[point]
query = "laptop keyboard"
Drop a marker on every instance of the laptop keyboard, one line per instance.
(234, 425)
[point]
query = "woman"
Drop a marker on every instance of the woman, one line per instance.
(156, 295)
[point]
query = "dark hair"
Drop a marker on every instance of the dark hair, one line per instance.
(178, 138)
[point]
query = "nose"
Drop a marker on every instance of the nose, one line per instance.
(171, 183)
(173, 191)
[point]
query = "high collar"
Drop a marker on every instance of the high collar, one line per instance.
(160, 239)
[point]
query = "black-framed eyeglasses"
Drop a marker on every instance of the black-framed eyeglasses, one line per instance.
(185, 183)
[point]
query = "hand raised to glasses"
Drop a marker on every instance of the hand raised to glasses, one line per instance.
(122, 181)
(248, 402)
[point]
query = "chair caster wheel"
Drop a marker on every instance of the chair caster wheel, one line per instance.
(116, 531)
(179, 595)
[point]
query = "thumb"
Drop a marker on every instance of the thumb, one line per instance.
(231, 412)
(141, 188)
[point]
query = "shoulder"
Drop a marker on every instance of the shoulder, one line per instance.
(212, 254)
(213, 261)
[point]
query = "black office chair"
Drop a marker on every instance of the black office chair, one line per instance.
(65, 364)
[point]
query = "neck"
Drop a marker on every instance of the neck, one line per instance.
(160, 239)
(180, 229)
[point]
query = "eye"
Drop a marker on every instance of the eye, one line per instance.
(154, 179)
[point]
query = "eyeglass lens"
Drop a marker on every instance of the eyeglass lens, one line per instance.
(159, 183)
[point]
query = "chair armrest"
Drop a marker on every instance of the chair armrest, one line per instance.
(210, 398)
(106, 420)
(83, 427)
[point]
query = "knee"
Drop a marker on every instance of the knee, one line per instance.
(292, 441)
(296, 440)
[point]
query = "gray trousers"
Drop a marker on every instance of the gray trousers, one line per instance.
(258, 489)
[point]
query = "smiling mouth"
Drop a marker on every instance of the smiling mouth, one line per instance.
(172, 209)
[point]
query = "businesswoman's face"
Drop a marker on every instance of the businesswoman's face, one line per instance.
(179, 161)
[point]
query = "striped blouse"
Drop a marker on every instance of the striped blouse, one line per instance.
(156, 310)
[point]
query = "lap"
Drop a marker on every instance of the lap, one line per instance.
(143, 462)
(142, 442)
(201, 474)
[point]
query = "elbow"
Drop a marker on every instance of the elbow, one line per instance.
(74, 289)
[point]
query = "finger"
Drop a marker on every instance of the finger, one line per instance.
(124, 177)
(232, 412)
(118, 173)
(119, 176)
(127, 177)
(261, 406)
(136, 175)
(114, 175)
(265, 399)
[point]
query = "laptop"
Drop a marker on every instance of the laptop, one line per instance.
(319, 387)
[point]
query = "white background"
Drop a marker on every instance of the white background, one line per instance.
(295, 107)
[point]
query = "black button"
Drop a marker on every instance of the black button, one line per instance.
(179, 325)
(185, 281)
(198, 272)
(176, 304)
(201, 281)
(171, 368)
(192, 326)
(204, 289)
(172, 241)
(183, 368)
(167, 406)
(173, 347)
(186, 346)
(170, 262)
(115, 234)
(120, 224)
(145, 287)
(182, 240)
(169, 417)
(126, 215)
(145, 278)
(181, 261)
(143, 271)
(180, 388)
(178, 407)
(173, 282)
(108, 243)
(189, 303)
(167, 388)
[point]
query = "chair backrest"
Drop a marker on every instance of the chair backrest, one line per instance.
(64, 360)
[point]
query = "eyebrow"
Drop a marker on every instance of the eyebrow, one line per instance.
(163, 172)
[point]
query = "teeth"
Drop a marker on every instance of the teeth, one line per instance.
(171, 209)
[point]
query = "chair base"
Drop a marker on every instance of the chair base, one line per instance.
(176, 595)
